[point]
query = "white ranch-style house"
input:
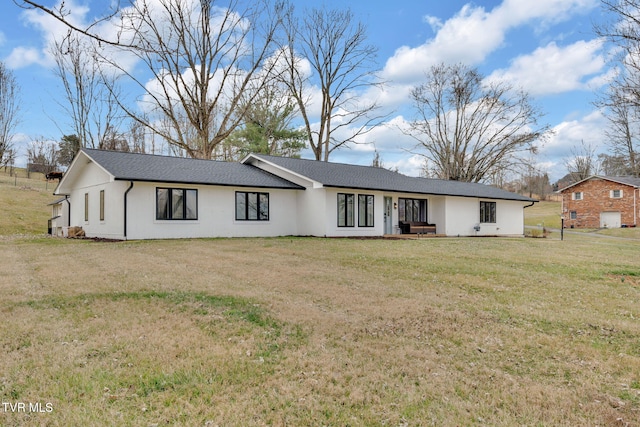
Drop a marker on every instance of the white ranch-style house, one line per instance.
(119, 195)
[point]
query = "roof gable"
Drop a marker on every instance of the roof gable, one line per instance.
(342, 175)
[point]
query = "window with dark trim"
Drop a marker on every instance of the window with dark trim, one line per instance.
(412, 210)
(101, 205)
(487, 212)
(251, 206)
(346, 210)
(176, 204)
(365, 210)
(86, 207)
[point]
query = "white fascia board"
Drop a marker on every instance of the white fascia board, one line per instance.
(72, 171)
(273, 168)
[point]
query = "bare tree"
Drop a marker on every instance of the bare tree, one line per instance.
(9, 160)
(621, 103)
(535, 182)
(203, 58)
(612, 165)
(377, 160)
(624, 132)
(42, 156)
(137, 137)
(90, 106)
(623, 29)
(115, 140)
(341, 63)
(205, 61)
(583, 162)
(468, 128)
(61, 13)
(9, 112)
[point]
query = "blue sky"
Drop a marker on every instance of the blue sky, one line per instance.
(546, 47)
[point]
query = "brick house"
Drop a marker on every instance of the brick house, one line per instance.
(601, 202)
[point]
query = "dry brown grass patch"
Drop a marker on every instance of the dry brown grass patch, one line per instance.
(323, 332)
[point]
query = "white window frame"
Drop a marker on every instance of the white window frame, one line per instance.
(577, 195)
(612, 194)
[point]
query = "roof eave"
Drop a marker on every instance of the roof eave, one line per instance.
(524, 200)
(213, 184)
(606, 178)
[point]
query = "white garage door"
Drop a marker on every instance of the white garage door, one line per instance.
(610, 219)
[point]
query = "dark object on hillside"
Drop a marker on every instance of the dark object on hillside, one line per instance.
(54, 175)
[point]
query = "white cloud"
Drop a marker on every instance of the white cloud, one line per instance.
(462, 38)
(412, 166)
(553, 69)
(23, 57)
(397, 150)
(20, 143)
(547, 11)
(51, 29)
(473, 33)
(572, 133)
(434, 22)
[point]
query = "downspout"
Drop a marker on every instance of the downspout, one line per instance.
(66, 199)
(125, 208)
(523, 208)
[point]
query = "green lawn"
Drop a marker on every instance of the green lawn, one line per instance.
(546, 214)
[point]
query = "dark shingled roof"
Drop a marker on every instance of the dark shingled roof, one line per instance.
(371, 178)
(153, 168)
(627, 180)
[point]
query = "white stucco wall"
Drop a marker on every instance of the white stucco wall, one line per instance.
(311, 207)
(463, 213)
(330, 219)
(438, 213)
(216, 214)
(309, 212)
(59, 217)
(91, 181)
